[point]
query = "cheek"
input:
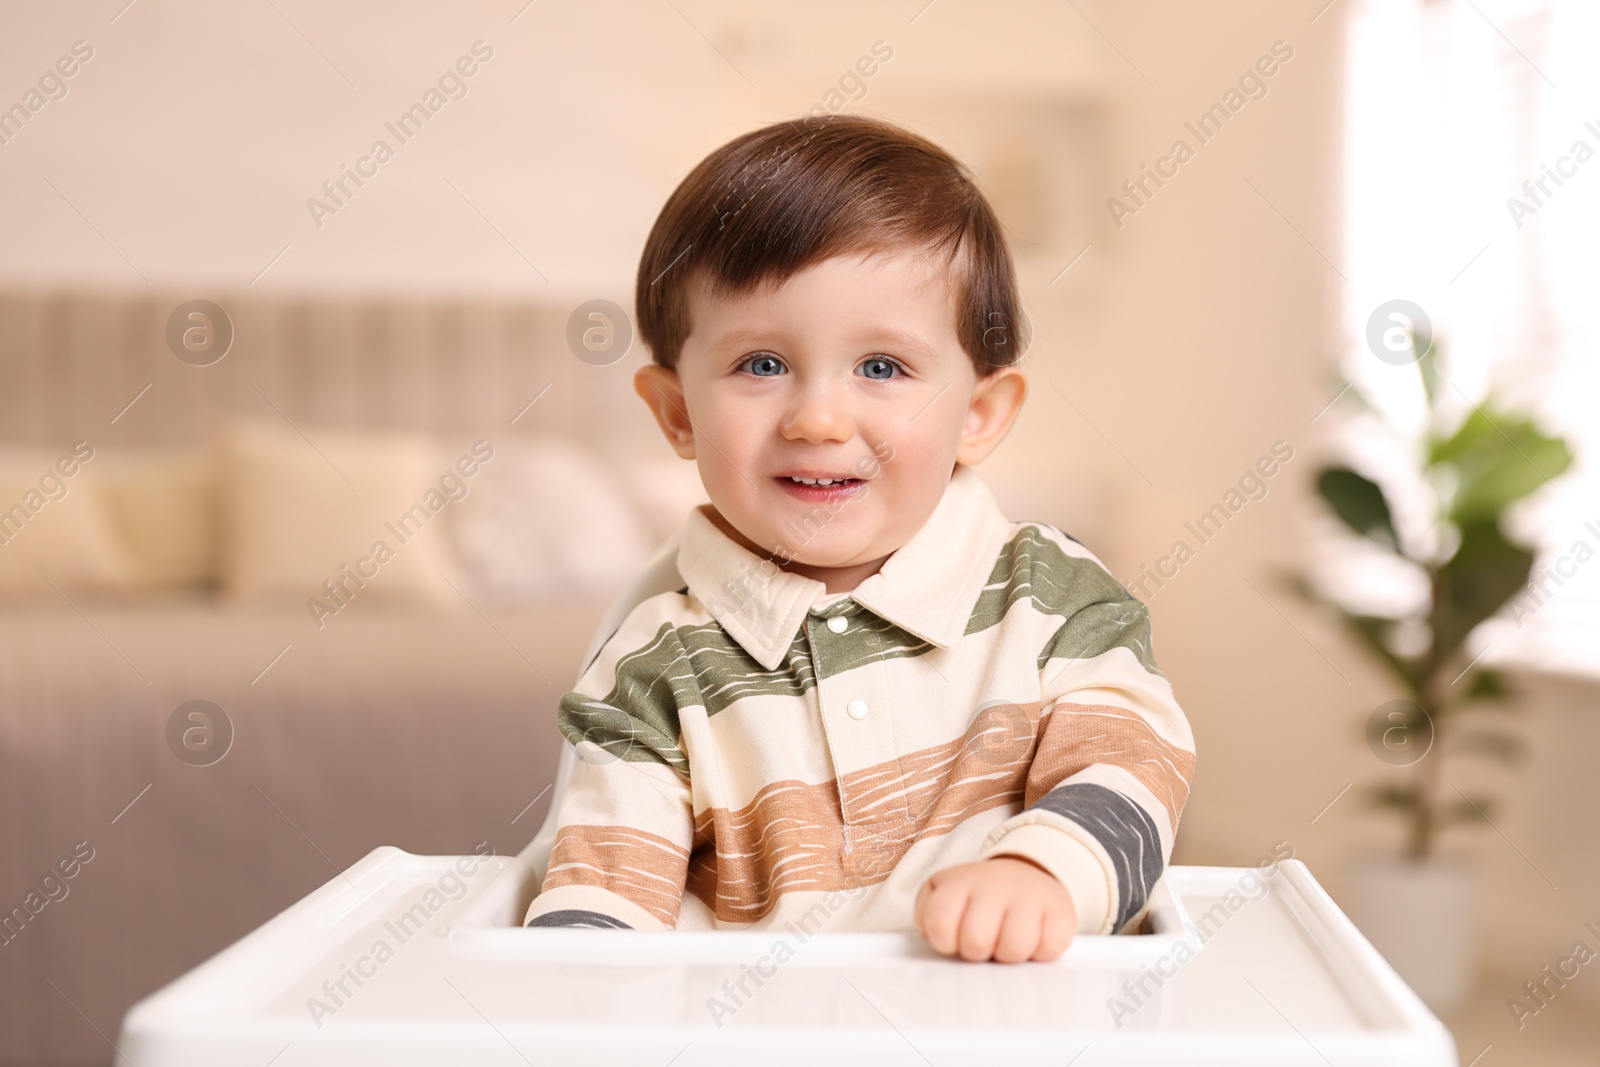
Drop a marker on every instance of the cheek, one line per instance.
(925, 449)
(730, 430)
(915, 478)
(721, 478)
(728, 436)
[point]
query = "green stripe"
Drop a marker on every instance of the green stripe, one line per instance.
(868, 640)
(1031, 565)
(651, 684)
(1098, 613)
(1098, 629)
(725, 672)
(702, 666)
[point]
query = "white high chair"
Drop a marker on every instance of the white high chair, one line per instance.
(411, 960)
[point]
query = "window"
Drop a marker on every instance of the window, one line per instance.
(1472, 188)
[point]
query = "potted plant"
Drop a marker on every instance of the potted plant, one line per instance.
(1467, 472)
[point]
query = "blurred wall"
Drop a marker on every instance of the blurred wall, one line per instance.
(1214, 343)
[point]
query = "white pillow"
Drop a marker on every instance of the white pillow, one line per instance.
(357, 510)
(55, 528)
(545, 522)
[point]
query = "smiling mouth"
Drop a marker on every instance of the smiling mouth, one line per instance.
(823, 482)
(823, 488)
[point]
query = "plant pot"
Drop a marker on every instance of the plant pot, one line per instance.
(1423, 918)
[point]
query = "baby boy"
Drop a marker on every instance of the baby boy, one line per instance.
(876, 704)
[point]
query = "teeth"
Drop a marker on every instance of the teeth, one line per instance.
(817, 481)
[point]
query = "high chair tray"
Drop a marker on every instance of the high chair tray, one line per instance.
(412, 960)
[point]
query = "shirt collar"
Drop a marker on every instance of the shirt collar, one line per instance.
(928, 588)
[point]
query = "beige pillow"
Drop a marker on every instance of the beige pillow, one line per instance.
(358, 510)
(55, 528)
(165, 508)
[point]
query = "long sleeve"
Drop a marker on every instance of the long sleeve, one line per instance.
(625, 826)
(1114, 758)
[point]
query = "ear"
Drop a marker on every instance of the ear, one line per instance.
(662, 391)
(996, 402)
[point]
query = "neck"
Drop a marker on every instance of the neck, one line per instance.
(836, 579)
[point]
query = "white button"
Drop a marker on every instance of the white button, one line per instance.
(838, 624)
(857, 709)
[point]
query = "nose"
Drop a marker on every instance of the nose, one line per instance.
(818, 414)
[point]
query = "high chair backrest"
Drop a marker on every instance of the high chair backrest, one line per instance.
(659, 576)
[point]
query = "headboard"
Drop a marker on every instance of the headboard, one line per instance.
(73, 363)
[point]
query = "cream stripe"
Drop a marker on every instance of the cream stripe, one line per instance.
(626, 795)
(763, 739)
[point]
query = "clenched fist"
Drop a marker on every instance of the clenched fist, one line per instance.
(1004, 909)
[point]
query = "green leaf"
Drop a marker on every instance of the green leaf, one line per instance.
(1498, 459)
(1485, 691)
(1488, 742)
(1399, 797)
(1488, 685)
(1360, 503)
(1486, 571)
(1468, 438)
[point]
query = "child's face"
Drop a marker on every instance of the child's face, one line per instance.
(850, 371)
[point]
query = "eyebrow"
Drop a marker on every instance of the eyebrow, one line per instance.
(899, 339)
(878, 335)
(740, 338)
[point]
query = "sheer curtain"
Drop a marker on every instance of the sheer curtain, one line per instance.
(1453, 105)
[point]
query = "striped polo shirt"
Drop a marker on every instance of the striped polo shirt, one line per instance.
(754, 752)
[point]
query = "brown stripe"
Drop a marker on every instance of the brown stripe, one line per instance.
(1079, 735)
(640, 866)
(793, 837)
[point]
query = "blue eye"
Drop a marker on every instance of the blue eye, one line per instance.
(879, 369)
(763, 366)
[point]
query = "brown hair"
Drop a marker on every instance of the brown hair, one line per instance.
(773, 202)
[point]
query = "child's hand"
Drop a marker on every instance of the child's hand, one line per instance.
(1004, 909)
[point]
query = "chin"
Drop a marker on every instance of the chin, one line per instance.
(835, 559)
